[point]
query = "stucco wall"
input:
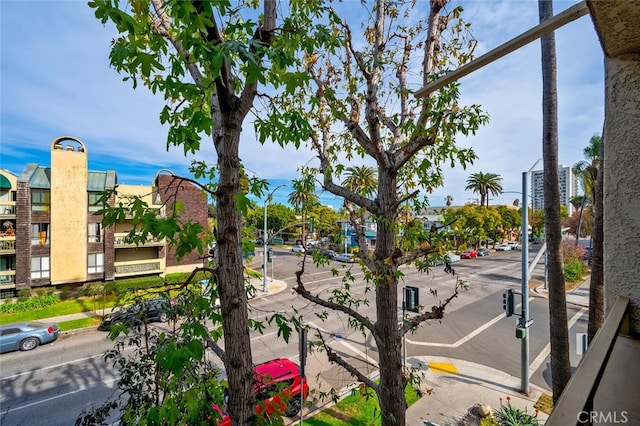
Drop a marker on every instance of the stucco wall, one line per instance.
(621, 188)
(69, 211)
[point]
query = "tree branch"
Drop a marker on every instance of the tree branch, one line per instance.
(335, 358)
(302, 291)
(162, 26)
(437, 312)
(416, 143)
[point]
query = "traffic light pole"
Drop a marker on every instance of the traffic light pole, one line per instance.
(525, 323)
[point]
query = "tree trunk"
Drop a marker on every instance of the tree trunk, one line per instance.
(391, 391)
(580, 221)
(233, 298)
(596, 287)
(559, 332)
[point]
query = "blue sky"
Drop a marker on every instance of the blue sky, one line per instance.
(56, 81)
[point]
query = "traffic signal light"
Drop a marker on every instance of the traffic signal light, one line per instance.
(508, 302)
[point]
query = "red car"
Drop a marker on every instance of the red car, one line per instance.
(468, 254)
(278, 386)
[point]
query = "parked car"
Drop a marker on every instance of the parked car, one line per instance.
(513, 244)
(468, 254)
(503, 247)
(328, 253)
(483, 251)
(278, 386)
(25, 336)
(345, 257)
(452, 257)
(298, 249)
(156, 309)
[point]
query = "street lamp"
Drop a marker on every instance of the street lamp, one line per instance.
(265, 239)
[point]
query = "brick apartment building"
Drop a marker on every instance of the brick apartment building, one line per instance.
(51, 234)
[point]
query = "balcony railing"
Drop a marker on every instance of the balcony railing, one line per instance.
(139, 267)
(8, 245)
(604, 387)
(123, 239)
(7, 279)
(7, 209)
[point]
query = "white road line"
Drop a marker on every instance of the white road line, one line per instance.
(358, 352)
(547, 349)
(464, 339)
(327, 279)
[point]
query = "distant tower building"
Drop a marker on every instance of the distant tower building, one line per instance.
(568, 187)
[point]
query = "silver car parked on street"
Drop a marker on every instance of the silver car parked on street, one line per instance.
(26, 336)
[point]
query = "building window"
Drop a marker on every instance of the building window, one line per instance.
(40, 267)
(40, 200)
(39, 234)
(95, 232)
(96, 263)
(94, 201)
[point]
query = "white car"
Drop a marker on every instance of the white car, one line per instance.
(345, 257)
(513, 245)
(298, 249)
(453, 257)
(504, 247)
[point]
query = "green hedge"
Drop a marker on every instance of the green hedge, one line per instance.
(573, 271)
(26, 305)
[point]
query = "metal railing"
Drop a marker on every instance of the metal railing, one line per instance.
(579, 393)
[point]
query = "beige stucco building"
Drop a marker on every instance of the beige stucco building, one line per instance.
(55, 236)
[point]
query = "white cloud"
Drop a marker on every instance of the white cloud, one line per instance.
(56, 80)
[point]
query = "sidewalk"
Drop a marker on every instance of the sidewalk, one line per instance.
(453, 386)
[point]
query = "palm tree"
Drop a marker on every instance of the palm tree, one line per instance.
(448, 200)
(361, 179)
(587, 173)
(485, 184)
(596, 287)
(303, 197)
(559, 331)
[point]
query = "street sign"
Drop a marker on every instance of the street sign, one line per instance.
(412, 299)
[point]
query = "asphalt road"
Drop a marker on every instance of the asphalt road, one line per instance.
(53, 384)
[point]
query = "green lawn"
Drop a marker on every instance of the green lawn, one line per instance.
(356, 409)
(72, 306)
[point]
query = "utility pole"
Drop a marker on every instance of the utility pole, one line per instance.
(265, 238)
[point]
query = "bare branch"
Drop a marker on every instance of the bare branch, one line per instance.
(416, 143)
(415, 254)
(216, 349)
(335, 358)
(405, 198)
(162, 26)
(437, 312)
(302, 291)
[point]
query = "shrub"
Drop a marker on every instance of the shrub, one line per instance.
(28, 304)
(508, 415)
(24, 294)
(570, 251)
(573, 270)
(93, 289)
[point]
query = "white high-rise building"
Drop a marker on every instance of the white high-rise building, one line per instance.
(568, 187)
